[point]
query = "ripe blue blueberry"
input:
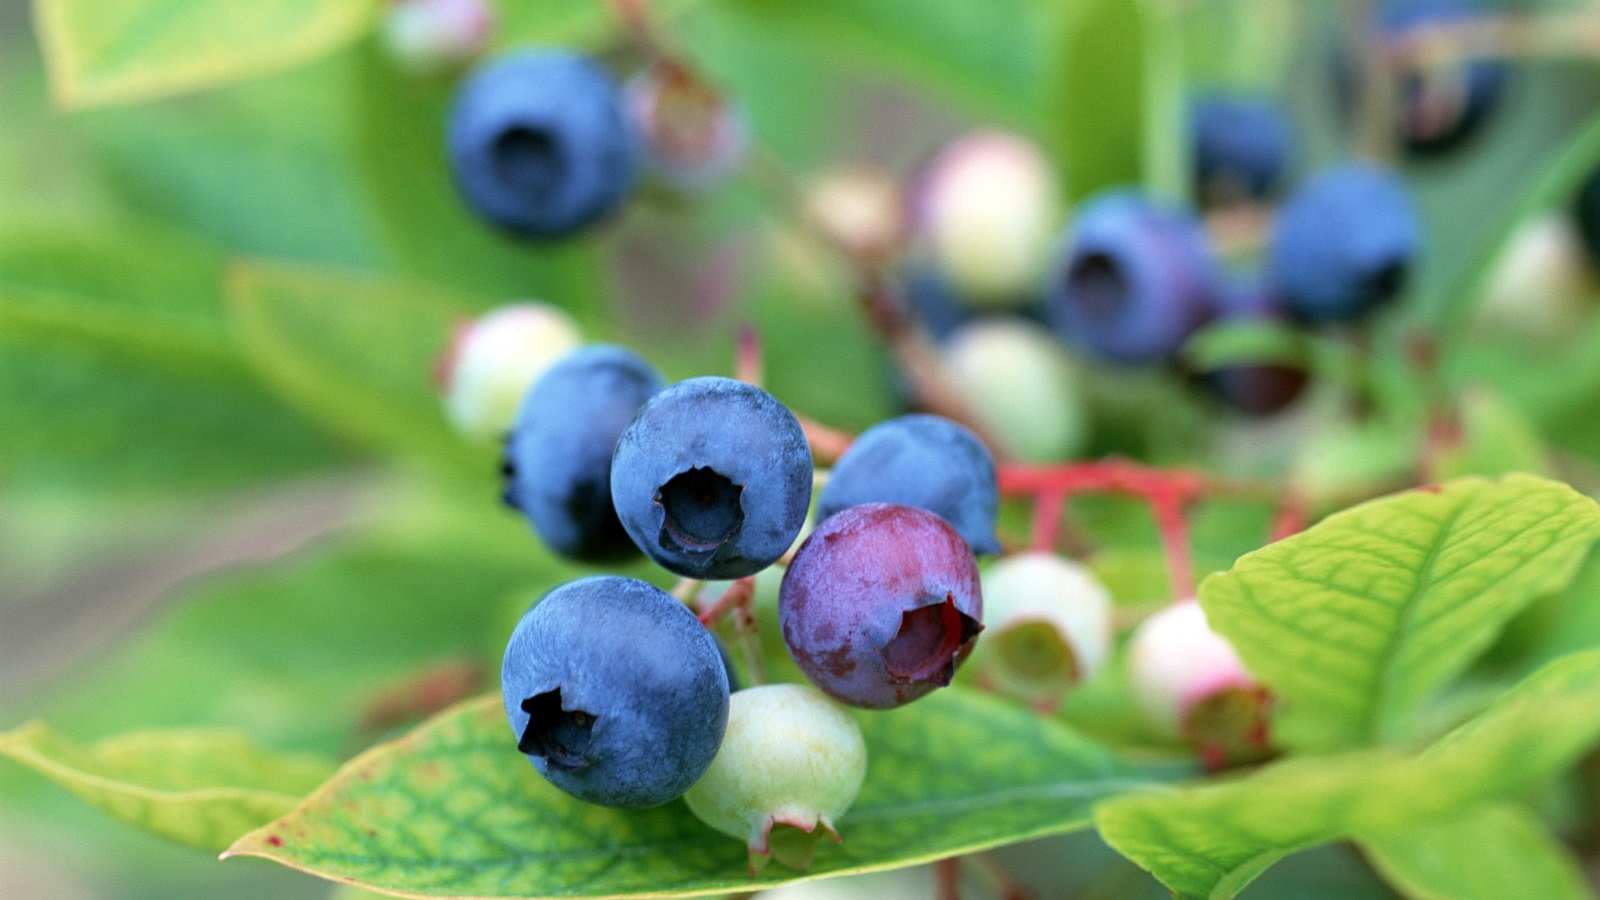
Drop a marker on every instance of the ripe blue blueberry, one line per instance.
(881, 604)
(1241, 146)
(1132, 279)
(1442, 106)
(1343, 243)
(615, 692)
(712, 478)
(539, 145)
(557, 460)
(924, 461)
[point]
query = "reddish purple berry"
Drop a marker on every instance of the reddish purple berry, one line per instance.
(881, 604)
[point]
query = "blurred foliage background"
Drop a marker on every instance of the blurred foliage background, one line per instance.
(228, 495)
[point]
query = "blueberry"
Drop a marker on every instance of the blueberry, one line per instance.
(1442, 107)
(1132, 279)
(1241, 146)
(558, 458)
(712, 478)
(881, 604)
(1344, 243)
(924, 461)
(539, 145)
(1260, 389)
(615, 692)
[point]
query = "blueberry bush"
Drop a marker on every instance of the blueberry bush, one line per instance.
(799, 448)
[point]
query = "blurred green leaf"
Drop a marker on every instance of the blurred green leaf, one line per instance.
(452, 809)
(121, 51)
(1116, 102)
(309, 652)
(988, 55)
(1224, 344)
(1483, 854)
(117, 370)
(1356, 621)
(357, 351)
(202, 787)
(1496, 437)
(1215, 839)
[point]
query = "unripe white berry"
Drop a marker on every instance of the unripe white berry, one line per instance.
(430, 35)
(790, 757)
(1047, 626)
(494, 359)
(987, 210)
(1019, 381)
(1540, 282)
(1190, 684)
(858, 209)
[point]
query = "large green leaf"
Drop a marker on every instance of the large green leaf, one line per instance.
(202, 787)
(1356, 621)
(1484, 854)
(118, 51)
(453, 809)
(1213, 840)
(357, 351)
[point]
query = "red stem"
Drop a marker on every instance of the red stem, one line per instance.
(1048, 508)
(738, 594)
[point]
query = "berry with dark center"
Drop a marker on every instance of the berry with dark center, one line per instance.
(1132, 279)
(881, 604)
(615, 692)
(538, 143)
(712, 479)
(1344, 243)
(924, 461)
(1241, 147)
(1441, 107)
(557, 461)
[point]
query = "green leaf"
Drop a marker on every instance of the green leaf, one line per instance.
(202, 787)
(1483, 854)
(357, 351)
(1496, 437)
(987, 55)
(1213, 840)
(453, 810)
(120, 51)
(1116, 101)
(1356, 621)
(1224, 344)
(117, 371)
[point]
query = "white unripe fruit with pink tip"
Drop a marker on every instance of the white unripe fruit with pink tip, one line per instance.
(987, 208)
(1190, 684)
(494, 359)
(791, 758)
(430, 35)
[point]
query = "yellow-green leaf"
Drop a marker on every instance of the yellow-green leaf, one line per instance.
(453, 810)
(1486, 854)
(1213, 840)
(120, 51)
(202, 787)
(1358, 620)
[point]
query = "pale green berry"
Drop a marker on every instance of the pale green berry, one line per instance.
(1191, 685)
(1022, 386)
(1047, 626)
(1539, 284)
(790, 765)
(495, 358)
(988, 211)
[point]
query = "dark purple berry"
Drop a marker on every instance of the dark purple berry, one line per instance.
(881, 604)
(1241, 147)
